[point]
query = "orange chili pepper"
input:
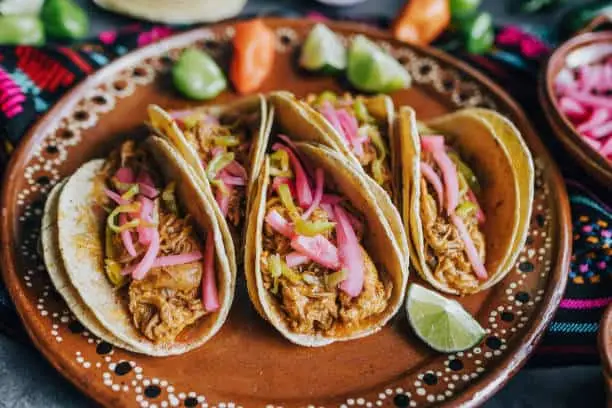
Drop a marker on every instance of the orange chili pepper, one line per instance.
(421, 21)
(253, 55)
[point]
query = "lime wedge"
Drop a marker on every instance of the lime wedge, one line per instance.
(440, 322)
(323, 51)
(371, 69)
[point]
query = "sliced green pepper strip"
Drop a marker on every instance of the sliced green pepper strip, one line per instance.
(361, 112)
(312, 228)
(127, 208)
(275, 267)
(169, 198)
(378, 163)
(113, 272)
(131, 192)
(289, 273)
(218, 163)
(333, 279)
(327, 96)
(465, 171)
(285, 196)
(221, 186)
(465, 209)
(279, 164)
(226, 141)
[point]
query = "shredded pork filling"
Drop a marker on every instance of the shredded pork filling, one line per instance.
(202, 136)
(444, 249)
(370, 151)
(309, 305)
(168, 299)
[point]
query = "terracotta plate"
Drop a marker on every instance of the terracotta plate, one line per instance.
(248, 363)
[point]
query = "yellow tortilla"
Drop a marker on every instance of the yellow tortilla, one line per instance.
(501, 197)
(378, 243)
(81, 227)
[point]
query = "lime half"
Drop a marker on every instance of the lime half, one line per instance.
(371, 69)
(440, 322)
(323, 51)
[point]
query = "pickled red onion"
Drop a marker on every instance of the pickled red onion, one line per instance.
(236, 169)
(449, 175)
(470, 248)
(170, 260)
(302, 187)
(350, 254)
(432, 178)
(601, 131)
(432, 143)
(317, 248)
(115, 197)
(598, 118)
(319, 184)
(279, 224)
(147, 260)
(330, 114)
(146, 213)
(279, 180)
(223, 199)
(350, 127)
(572, 108)
(230, 180)
(331, 199)
(606, 149)
(126, 236)
(147, 187)
(480, 216)
(210, 296)
(125, 175)
(294, 259)
(329, 209)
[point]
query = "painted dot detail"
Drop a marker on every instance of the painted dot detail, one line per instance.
(123, 368)
(430, 379)
(522, 297)
(401, 400)
(190, 402)
(507, 316)
(455, 365)
(76, 327)
(152, 391)
(493, 342)
(526, 267)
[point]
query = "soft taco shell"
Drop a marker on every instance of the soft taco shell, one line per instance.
(477, 144)
(303, 124)
(59, 277)
(80, 231)
(163, 124)
(378, 242)
(522, 163)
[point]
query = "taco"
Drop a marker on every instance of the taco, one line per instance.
(59, 277)
(220, 143)
(465, 206)
(321, 262)
(372, 150)
(141, 246)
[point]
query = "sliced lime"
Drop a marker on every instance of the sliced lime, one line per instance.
(323, 50)
(371, 69)
(440, 322)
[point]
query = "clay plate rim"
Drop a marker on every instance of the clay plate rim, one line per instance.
(482, 389)
(563, 129)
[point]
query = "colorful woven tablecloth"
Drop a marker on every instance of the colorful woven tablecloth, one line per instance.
(32, 79)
